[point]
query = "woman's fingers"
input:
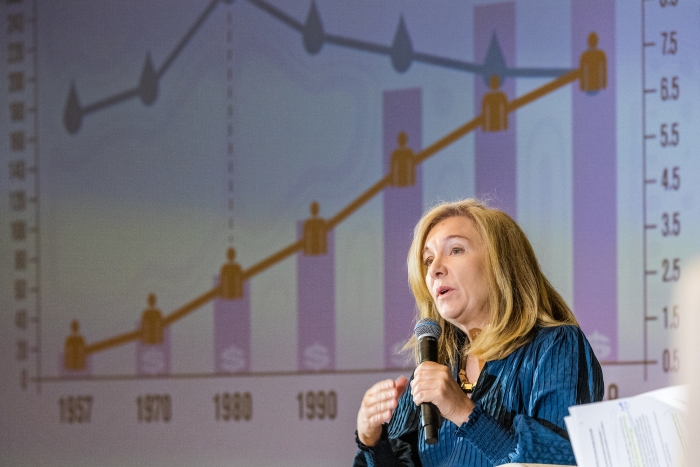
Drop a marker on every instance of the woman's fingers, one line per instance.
(434, 383)
(377, 406)
(430, 381)
(401, 384)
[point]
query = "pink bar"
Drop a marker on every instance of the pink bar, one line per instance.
(154, 359)
(232, 333)
(316, 307)
(403, 206)
(595, 182)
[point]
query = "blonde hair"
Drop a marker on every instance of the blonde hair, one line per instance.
(520, 296)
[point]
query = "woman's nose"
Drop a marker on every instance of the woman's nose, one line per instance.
(436, 269)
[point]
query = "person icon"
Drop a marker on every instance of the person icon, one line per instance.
(403, 170)
(151, 323)
(315, 233)
(231, 277)
(593, 67)
(74, 356)
(493, 107)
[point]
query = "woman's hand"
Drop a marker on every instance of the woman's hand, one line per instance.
(377, 407)
(434, 383)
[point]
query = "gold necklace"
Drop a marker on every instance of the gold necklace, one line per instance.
(464, 382)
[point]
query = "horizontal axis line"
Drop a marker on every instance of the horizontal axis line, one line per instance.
(250, 374)
(630, 362)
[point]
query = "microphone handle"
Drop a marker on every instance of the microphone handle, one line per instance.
(430, 417)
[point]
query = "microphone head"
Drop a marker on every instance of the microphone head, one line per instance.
(427, 327)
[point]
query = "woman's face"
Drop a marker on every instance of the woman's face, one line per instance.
(456, 272)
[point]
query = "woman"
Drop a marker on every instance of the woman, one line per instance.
(512, 358)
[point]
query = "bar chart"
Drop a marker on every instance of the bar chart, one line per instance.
(209, 218)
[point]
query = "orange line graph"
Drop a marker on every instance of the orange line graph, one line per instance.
(343, 214)
(113, 342)
(167, 321)
(272, 260)
(448, 139)
(542, 91)
(191, 306)
(358, 202)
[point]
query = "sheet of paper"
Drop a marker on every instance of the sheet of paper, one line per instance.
(641, 431)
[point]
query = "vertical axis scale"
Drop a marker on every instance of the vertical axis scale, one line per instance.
(21, 97)
(37, 198)
(645, 137)
(661, 80)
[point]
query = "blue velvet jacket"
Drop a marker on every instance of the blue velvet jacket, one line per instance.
(521, 402)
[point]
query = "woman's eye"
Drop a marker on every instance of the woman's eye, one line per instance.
(428, 261)
(456, 250)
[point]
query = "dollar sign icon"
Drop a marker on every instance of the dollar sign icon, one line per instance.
(153, 361)
(316, 357)
(232, 359)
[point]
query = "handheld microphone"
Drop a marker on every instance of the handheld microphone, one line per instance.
(427, 332)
